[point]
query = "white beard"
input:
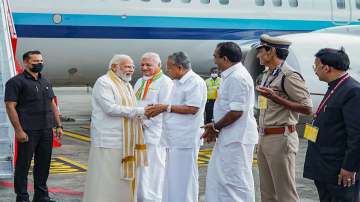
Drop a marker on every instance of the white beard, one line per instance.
(122, 76)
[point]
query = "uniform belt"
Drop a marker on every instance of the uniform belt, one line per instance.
(277, 130)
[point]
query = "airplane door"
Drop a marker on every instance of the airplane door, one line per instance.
(340, 12)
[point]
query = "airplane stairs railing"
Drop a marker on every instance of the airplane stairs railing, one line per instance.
(7, 70)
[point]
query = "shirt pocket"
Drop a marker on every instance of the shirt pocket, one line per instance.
(177, 97)
(32, 93)
(152, 95)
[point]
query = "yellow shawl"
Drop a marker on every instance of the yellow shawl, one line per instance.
(134, 149)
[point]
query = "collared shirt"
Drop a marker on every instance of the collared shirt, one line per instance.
(34, 100)
(107, 114)
(276, 115)
(158, 93)
(236, 93)
(338, 141)
(183, 130)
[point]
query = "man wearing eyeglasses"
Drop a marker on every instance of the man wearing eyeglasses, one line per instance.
(332, 158)
(283, 95)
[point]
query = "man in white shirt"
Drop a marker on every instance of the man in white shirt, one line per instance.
(229, 176)
(184, 114)
(153, 88)
(116, 136)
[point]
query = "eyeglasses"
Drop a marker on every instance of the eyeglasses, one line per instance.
(128, 66)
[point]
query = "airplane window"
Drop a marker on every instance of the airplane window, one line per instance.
(185, 1)
(340, 4)
(224, 2)
(277, 3)
(205, 1)
(293, 3)
(261, 2)
(358, 4)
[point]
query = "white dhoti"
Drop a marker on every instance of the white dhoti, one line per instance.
(104, 182)
(229, 176)
(151, 178)
(181, 175)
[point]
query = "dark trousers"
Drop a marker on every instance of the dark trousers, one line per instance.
(335, 193)
(39, 146)
(209, 110)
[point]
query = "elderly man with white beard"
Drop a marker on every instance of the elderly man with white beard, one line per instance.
(117, 146)
(153, 88)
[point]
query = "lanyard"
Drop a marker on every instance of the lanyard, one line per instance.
(275, 75)
(323, 102)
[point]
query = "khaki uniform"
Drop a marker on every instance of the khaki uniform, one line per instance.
(276, 152)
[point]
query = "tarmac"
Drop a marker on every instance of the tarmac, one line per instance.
(68, 169)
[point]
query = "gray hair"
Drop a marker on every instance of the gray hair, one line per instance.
(181, 59)
(153, 56)
(117, 58)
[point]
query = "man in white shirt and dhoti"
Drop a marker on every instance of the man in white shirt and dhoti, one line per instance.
(117, 146)
(229, 176)
(153, 88)
(183, 116)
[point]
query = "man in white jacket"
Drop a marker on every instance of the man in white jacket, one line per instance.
(153, 88)
(116, 136)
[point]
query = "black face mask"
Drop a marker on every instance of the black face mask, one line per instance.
(36, 68)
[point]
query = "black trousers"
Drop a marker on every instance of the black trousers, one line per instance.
(209, 110)
(39, 146)
(335, 193)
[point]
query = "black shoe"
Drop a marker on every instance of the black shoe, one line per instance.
(44, 199)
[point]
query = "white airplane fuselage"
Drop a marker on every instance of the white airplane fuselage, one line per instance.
(78, 38)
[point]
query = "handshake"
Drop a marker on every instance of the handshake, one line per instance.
(155, 109)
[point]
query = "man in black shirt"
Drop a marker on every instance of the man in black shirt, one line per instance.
(333, 154)
(33, 113)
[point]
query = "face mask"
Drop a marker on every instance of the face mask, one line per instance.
(214, 75)
(36, 68)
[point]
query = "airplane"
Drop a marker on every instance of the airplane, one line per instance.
(78, 38)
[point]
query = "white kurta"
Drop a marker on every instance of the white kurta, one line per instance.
(104, 180)
(229, 176)
(151, 178)
(181, 135)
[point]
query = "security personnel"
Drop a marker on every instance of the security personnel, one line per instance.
(333, 154)
(283, 96)
(212, 84)
(32, 111)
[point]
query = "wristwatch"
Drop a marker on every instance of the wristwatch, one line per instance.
(59, 127)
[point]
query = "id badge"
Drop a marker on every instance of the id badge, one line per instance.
(262, 102)
(311, 132)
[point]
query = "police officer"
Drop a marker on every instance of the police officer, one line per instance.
(32, 111)
(283, 96)
(333, 154)
(212, 84)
